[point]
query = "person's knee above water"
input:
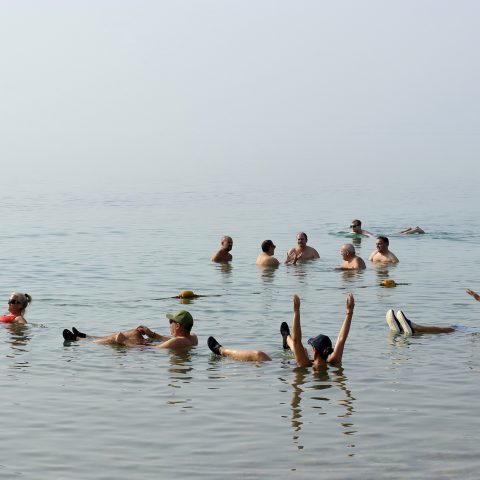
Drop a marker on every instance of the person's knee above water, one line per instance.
(301, 251)
(223, 254)
(351, 261)
(399, 323)
(382, 254)
(17, 304)
(266, 258)
(181, 336)
(323, 352)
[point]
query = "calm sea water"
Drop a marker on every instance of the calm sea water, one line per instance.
(110, 260)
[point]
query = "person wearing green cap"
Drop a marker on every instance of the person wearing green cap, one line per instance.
(181, 335)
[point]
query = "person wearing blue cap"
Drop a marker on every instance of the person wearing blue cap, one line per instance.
(323, 352)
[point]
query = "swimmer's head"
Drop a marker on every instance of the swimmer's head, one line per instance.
(227, 243)
(267, 245)
(183, 318)
(356, 226)
(322, 344)
(382, 244)
(22, 300)
(302, 239)
(347, 250)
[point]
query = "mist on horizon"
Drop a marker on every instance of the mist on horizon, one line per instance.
(145, 92)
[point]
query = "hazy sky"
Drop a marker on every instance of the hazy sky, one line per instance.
(136, 92)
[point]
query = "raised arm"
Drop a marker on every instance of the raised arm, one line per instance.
(299, 351)
(475, 295)
(336, 356)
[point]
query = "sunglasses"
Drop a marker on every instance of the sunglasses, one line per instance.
(353, 226)
(13, 302)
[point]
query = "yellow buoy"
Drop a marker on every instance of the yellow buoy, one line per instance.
(389, 283)
(186, 294)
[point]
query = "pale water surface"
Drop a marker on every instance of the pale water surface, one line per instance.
(400, 407)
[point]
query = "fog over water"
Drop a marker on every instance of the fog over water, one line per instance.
(150, 92)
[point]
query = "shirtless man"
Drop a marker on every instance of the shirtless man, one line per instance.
(301, 251)
(382, 254)
(224, 255)
(356, 227)
(181, 323)
(350, 260)
(266, 258)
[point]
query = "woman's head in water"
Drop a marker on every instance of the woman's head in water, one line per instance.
(322, 344)
(18, 302)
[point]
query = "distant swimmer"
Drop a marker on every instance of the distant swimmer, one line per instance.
(181, 324)
(475, 295)
(224, 255)
(351, 261)
(412, 230)
(323, 352)
(301, 251)
(400, 323)
(382, 254)
(17, 304)
(356, 227)
(266, 258)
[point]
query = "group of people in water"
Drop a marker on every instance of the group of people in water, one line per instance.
(303, 252)
(181, 322)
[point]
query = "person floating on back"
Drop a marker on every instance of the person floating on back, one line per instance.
(323, 351)
(223, 254)
(181, 324)
(17, 304)
(400, 323)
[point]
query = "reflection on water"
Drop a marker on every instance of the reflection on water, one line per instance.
(180, 370)
(318, 383)
(225, 267)
(268, 274)
(20, 335)
(351, 275)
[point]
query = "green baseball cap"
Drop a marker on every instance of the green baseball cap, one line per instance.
(181, 317)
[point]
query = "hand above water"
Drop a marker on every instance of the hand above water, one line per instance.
(475, 295)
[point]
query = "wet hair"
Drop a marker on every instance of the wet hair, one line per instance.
(303, 233)
(266, 244)
(326, 352)
(24, 298)
(359, 222)
(384, 240)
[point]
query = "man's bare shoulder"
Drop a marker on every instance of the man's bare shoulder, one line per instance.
(180, 342)
(221, 256)
(267, 261)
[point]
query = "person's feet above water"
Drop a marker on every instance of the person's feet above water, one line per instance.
(78, 334)
(393, 322)
(405, 323)
(213, 345)
(285, 331)
(68, 336)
